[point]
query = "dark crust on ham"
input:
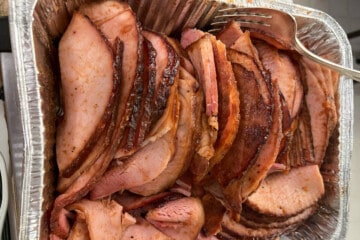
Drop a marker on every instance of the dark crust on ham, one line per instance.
(184, 150)
(136, 132)
(229, 104)
(214, 212)
(233, 230)
(168, 78)
(135, 99)
(138, 205)
(131, 201)
(253, 219)
(150, 91)
(253, 129)
(240, 188)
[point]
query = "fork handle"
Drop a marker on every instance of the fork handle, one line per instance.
(351, 73)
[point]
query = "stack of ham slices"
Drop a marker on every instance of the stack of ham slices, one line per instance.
(201, 137)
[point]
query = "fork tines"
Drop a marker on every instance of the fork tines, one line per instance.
(245, 16)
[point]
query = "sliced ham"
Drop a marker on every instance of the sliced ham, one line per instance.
(229, 104)
(214, 213)
(145, 164)
(235, 230)
(202, 57)
(87, 109)
(143, 230)
(180, 219)
(167, 63)
(103, 14)
(240, 188)
(284, 73)
(190, 36)
(103, 218)
(189, 104)
(234, 38)
(300, 188)
(253, 129)
(123, 25)
(79, 231)
(230, 33)
(321, 107)
(249, 63)
(140, 121)
(255, 220)
(301, 150)
(79, 186)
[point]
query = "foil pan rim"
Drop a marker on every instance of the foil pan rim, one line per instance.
(30, 207)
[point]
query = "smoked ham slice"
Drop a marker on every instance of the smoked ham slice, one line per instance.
(140, 121)
(236, 230)
(180, 219)
(300, 189)
(234, 38)
(167, 63)
(189, 103)
(145, 164)
(321, 106)
(202, 57)
(240, 188)
(255, 121)
(103, 219)
(283, 72)
(229, 104)
(87, 109)
(121, 23)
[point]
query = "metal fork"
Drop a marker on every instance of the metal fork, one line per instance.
(278, 27)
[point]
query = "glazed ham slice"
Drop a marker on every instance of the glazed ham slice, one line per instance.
(199, 47)
(234, 38)
(230, 33)
(87, 109)
(300, 188)
(240, 188)
(79, 230)
(253, 219)
(180, 219)
(167, 63)
(321, 107)
(253, 129)
(202, 57)
(103, 219)
(189, 104)
(235, 230)
(139, 169)
(79, 184)
(122, 24)
(144, 165)
(284, 73)
(140, 118)
(229, 104)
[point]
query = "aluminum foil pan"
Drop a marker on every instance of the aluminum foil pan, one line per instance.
(37, 25)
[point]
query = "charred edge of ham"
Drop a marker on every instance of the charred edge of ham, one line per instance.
(105, 122)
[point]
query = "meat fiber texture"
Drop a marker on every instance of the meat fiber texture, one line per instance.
(201, 137)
